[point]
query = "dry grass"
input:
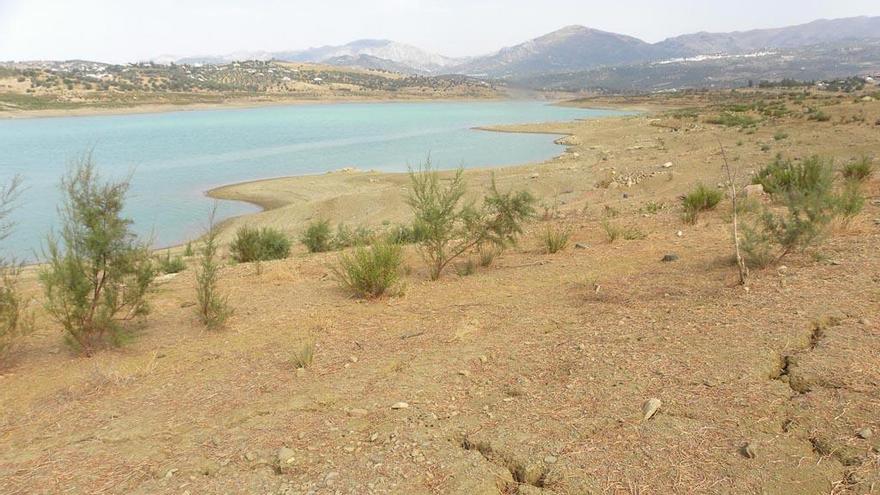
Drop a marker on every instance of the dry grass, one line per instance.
(525, 363)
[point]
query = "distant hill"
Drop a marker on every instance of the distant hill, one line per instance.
(813, 33)
(570, 48)
(573, 55)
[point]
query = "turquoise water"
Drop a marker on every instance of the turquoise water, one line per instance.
(175, 157)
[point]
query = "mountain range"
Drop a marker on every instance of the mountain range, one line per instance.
(579, 49)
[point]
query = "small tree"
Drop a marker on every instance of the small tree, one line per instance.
(97, 276)
(213, 307)
(807, 204)
(12, 307)
(451, 228)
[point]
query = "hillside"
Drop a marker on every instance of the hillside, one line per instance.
(80, 85)
(526, 377)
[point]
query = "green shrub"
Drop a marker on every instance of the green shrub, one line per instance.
(12, 306)
(346, 237)
(451, 228)
(213, 306)
(729, 119)
(98, 275)
(406, 234)
(850, 201)
(818, 115)
(779, 136)
(264, 244)
(189, 250)
(318, 237)
(807, 204)
(859, 170)
(168, 264)
(371, 271)
(555, 239)
(783, 176)
(699, 200)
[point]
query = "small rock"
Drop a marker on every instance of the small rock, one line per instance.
(679, 234)
(464, 372)
(650, 408)
(374, 437)
(580, 245)
(748, 450)
(667, 165)
(753, 190)
(670, 258)
(865, 321)
(535, 176)
(484, 359)
(357, 412)
(782, 269)
(400, 405)
(285, 456)
(550, 459)
(249, 456)
(865, 433)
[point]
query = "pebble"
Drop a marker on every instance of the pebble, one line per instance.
(580, 245)
(748, 450)
(400, 405)
(670, 258)
(679, 234)
(865, 433)
(550, 459)
(285, 456)
(667, 165)
(650, 408)
(484, 359)
(249, 456)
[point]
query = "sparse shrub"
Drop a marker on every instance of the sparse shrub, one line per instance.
(652, 208)
(699, 200)
(168, 264)
(555, 239)
(850, 201)
(452, 229)
(371, 271)
(729, 119)
(783, 175)
(98, 275)
(818, 115)
(265, 244)
(859, 170)
(212, 305)
(465, 268)
(12, 307)
(487, 255)
(634, 234)
(303, 357)
(405, 234)
(612, 231)
(808, 204)
(765, 147)
(318, 238)
(346, 237)
(189, 250)
(779, 136)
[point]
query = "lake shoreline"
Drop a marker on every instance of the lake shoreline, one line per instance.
(236, 104)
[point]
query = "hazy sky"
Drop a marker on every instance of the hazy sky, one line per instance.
(128, 30)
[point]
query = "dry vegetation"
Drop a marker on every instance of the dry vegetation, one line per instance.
(529, 376)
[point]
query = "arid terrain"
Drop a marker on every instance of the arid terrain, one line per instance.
(528, 377)
(50, 89)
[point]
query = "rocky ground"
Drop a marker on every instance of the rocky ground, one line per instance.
(531, 376)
